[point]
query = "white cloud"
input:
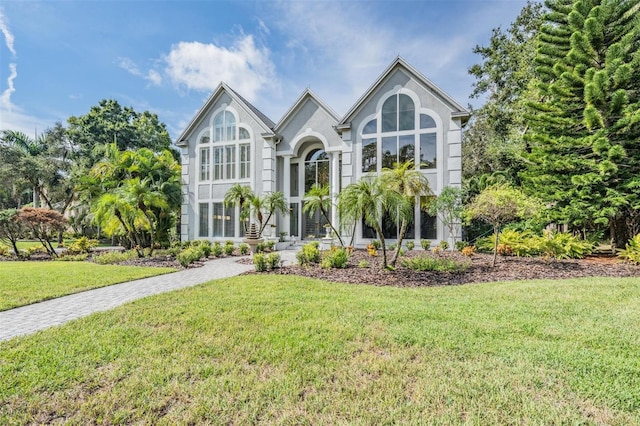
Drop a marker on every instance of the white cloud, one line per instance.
(5, 98)
(152, 75)
(342, 47)
(8, 36)
(343, 55)
(246, 67)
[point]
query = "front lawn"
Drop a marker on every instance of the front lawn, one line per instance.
(284, 349)
(23, 283)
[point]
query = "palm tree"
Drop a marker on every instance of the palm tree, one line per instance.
(318, 199)
(273, 202)
(267, 205)
(409, 184)
(368, 199)
(113, 212)
(240, 195)
(30, 149)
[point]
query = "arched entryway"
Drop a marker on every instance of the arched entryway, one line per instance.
(311, 167)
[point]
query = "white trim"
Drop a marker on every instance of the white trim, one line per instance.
(305, 136)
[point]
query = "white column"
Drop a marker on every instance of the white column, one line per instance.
(335, 186)
(286, 190)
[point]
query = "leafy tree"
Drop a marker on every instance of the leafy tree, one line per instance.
(43, 224)
(409, 183)
(11, 228)
(585, 116)
(42, 163)
(109, 122)
(24, 156)
(448, 207)
(135, 194)
(493, 139)
(318, 199)
(369, 200)
(498, 205)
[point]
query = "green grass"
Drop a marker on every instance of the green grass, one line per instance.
(283, 349)
(23, 283)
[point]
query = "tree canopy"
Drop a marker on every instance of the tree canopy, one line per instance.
(584, 117)
(109, 122)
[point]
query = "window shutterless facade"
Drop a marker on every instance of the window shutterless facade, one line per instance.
(228, 155)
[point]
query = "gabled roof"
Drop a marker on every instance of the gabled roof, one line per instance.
(267, 123)
(306, 94)
(399, 63)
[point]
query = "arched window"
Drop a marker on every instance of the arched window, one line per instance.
(398, 114)
(224, 127)
(316, 169)
(399, 132)
(228, 156)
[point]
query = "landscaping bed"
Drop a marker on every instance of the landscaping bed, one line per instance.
(479, 269)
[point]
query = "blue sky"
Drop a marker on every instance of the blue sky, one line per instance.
(59, 58)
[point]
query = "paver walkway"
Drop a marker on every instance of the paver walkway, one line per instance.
(31, 318)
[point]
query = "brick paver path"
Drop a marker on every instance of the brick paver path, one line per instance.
(31, 318)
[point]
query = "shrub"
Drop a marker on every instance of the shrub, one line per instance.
(244, 248)
(460, 245)
(376, 244)
(425, 244)
(392, 247)
(206, 249)
(310, 253)
(371, 249)
(4, 250)
(363, 264)
(444, 245)
(229, 249)
(188, 256)
(512, 242)
(562, 245)
(337, 257)
(82, 245)
(410, 245)
(228, 243)
(631, 251)
(468, 251)
(273, 260)
(112, 257)
(265, 246)
(260, 262)
(428, 263)
(217, 249)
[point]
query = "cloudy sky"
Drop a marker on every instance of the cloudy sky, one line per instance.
(59, 58)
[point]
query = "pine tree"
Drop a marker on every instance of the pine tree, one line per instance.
(585, 120)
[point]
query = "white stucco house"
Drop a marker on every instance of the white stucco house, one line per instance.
(402, 116)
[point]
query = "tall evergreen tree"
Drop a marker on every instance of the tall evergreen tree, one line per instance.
(585, 115)
(493, 140)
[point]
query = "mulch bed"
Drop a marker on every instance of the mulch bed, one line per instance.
(480, 270)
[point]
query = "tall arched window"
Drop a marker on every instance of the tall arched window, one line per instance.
(230, 149)
(316, 169)
(224, 127)
(399, 135)
(399, 132)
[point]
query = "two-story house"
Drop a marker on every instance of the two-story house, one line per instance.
(402, 116)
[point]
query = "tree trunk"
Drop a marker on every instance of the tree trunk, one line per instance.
(496, 231)
(383, 245)
(403, 230)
